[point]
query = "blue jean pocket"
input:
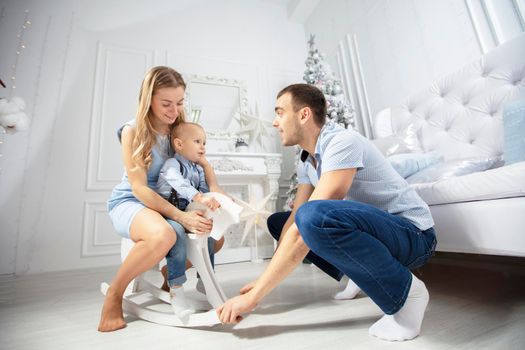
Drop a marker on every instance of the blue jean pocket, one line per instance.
(421, 260)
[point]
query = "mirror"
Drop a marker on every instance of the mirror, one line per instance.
(217, 104)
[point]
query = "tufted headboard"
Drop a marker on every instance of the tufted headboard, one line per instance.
(460, 115)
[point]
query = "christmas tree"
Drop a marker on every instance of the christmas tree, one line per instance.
(339, 111)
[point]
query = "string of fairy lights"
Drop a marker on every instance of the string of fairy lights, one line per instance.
(20, 48)
(2, 131)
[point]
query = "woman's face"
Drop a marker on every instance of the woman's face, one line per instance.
(167, 104)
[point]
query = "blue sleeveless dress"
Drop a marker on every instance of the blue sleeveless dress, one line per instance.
(122, 205)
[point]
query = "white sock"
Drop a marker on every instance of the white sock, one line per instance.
(350, 291)
(406, 323)
(179, 304)
(200, 286)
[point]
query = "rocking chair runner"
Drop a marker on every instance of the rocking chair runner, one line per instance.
(197, 254)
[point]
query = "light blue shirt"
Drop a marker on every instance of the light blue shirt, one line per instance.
(187, 184)
(375, 182)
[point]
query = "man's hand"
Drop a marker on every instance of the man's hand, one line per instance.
(231, 310)
(248, 287)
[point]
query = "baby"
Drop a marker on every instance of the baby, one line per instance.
(182, 181)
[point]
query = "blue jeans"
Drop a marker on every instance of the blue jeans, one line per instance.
(176, 257)
(372, 247)
(275, 225)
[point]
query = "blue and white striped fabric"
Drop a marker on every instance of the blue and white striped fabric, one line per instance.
(375, 183)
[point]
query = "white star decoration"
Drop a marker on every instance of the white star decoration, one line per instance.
(237, 118)
(255, 215)
(256, 128)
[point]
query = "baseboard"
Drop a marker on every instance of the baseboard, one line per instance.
(480, 261)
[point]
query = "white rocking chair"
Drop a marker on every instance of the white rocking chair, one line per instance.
(197, 253)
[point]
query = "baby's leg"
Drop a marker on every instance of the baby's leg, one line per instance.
(179, 304)
(176, 273)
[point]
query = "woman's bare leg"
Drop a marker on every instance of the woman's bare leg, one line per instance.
(153, 238)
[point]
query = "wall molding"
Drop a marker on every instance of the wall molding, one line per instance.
(519, 7)
(95, 181)
(349, 59)
(349, 84)
(93, 242)
(495, 22)
(482, 29)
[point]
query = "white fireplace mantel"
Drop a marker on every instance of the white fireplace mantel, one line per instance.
(251, 177)
(252, 169)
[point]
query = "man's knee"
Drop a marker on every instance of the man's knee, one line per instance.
(309, 219)
(309, 214)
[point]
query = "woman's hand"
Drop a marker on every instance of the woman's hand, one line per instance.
(194, 222)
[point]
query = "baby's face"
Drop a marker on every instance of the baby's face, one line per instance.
(193, 146)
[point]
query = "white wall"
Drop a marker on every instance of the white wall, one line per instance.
(404, 45)
(80, 73)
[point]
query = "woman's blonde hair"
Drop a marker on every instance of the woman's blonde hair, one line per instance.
(145, 135)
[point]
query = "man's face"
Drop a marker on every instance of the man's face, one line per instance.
(287, 121)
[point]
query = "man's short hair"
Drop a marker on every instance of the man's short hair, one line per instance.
(306, 95)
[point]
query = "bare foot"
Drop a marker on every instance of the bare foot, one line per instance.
(111, 318)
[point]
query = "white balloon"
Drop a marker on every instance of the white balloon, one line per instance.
(23, 122)
(10, 108)
(9, 120)
(19, 102)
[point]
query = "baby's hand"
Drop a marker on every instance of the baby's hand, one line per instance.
(202, 161)
(210, 202)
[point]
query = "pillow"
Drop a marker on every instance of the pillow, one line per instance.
(456, 167)
(407, 164)
(514, 132)
(405, 141)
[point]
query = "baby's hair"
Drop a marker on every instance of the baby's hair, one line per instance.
(178, 130)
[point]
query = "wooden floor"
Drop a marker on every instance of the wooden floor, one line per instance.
(475, 304)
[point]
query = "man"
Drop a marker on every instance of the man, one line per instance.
(353, 215)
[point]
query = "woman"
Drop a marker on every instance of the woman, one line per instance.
(136, 210)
